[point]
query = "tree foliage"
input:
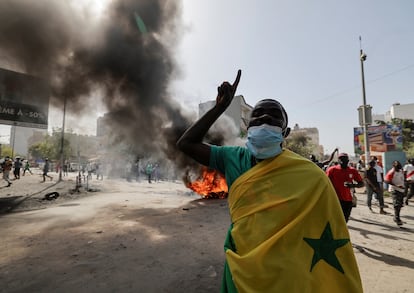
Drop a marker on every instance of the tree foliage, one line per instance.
(6, 150)
(407, 127)
(50, 147)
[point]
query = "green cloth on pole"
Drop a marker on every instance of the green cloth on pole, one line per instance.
(140, 23)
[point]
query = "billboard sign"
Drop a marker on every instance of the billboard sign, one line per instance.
(381, 138)
(24, 100)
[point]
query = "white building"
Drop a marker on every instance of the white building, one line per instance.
(239, 111)
(397, 110)
(20, 136)
(313, 134)
(405, 111)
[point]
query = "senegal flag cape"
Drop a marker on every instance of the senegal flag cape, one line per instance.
(288, 231)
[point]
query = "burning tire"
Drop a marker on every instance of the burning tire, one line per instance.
(51, 195)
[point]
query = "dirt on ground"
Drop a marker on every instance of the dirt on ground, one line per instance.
(119, 236)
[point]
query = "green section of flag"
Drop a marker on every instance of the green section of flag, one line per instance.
(325, 247)
(140, 23)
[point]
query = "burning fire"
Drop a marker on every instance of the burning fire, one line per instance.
(210, 184)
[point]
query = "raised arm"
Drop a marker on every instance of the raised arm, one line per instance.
(326, 162)
(191, 142)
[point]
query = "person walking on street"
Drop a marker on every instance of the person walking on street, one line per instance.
(156, 173)
(17, 167)
(395, 180)
(380, 179)
(409, 180)
(46, 170)
(343, 179)
(148, 171)
(99, 170)
(281, 231)
(373, 186)
(65, 168)
(27, 168)
(360, 166)
(137, 172)
(7, 165)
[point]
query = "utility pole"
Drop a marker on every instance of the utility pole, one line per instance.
(62, 140)
(366, 110)
(13, 138)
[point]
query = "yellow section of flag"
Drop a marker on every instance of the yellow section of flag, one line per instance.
(289, 230)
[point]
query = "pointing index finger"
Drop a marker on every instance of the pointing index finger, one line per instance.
(236, 82)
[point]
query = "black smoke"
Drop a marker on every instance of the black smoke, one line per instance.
(129, 68)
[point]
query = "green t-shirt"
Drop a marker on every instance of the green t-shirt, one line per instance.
(232, 161)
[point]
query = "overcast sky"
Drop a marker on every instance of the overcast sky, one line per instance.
(303, 53)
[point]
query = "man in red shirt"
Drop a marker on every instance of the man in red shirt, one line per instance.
(344, 178)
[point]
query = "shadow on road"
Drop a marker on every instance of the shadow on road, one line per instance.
(389, 259)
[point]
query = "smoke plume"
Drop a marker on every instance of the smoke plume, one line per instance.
(129, 67)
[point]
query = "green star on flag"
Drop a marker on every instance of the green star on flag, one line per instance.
(325, 247)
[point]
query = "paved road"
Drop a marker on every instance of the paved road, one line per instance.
(384, 251)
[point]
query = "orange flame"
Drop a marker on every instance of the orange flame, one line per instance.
(210, 184)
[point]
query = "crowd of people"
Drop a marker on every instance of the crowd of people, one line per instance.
(149, 170)
(131, 170)
(12, 169)
(399, 179)
(17, 166)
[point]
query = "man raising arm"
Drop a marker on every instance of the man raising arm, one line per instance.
(281, 231)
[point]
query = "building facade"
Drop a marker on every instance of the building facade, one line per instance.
(313, 134)
(21, 138)
(397, 110)
(238, 111)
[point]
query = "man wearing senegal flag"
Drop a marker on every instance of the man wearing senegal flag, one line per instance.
(288, 233)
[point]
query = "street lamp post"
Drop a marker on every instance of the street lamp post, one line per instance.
(13, 138)
(62, 141)
(365, 122)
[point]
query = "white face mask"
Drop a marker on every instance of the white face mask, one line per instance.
(264, 141)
